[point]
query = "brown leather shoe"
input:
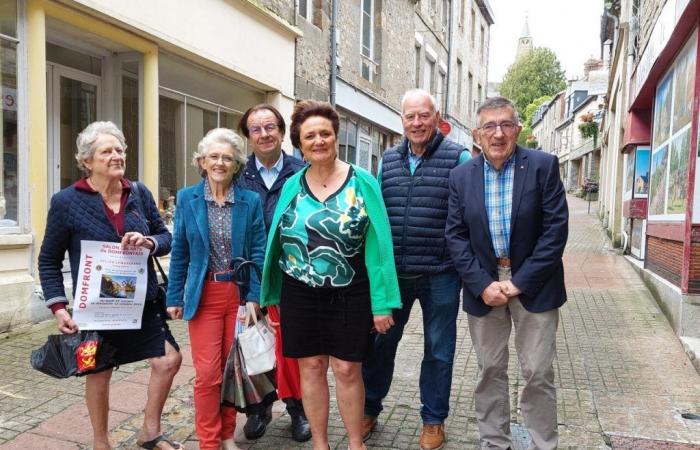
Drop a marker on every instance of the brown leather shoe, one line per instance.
(368, 425)
(432, 437)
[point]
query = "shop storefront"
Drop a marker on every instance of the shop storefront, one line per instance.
(367, 127)
(661, 158)
(67, 64)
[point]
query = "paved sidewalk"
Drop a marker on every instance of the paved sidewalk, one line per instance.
(622, 375)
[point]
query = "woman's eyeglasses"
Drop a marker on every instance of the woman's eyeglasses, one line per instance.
(215, 157)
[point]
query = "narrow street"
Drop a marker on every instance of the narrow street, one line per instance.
(623, 377)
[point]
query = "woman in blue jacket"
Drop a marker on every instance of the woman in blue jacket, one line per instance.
(215, 222)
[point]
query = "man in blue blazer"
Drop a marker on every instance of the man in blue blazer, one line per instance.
(507, 227)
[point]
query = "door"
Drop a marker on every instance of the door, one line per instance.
(74, 102)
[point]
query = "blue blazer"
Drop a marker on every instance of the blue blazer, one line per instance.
(539, 229)
(190, 248)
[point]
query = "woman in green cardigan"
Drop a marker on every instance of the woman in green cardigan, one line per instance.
(330, 266)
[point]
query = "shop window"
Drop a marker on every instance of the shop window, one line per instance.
(351, 155)
(343, 139)
(8, 17)
(130, 117)
(74, 59)
(668, 187)
(183, 123)
(8, 183)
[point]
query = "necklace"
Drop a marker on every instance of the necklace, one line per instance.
(324, 181)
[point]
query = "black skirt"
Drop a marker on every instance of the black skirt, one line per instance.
(326, 321)
(147, 342)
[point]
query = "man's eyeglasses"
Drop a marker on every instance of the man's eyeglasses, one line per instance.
(257, 130)
(215, 157)
(507, 127)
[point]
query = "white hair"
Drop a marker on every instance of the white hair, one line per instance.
(220, 136)
(418, 93)
(86, 139)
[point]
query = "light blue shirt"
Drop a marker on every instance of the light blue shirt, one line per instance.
(269, 175)
(414, 160)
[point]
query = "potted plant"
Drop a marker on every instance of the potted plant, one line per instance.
(588, 127)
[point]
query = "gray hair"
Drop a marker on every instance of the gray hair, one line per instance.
(86, 140)
(497, 103)
(418, 92)
(220, 136)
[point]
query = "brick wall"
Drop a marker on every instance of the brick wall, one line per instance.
(694, 273)
(665, 258)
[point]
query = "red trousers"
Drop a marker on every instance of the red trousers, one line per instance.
(288, 380)
(211, 336)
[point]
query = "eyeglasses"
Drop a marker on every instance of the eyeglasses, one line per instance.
(215, 157)
(507, 127)
(256, 130)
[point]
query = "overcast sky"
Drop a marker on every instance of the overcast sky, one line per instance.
(570, 28)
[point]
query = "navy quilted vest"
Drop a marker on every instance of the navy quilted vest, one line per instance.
(417, 205)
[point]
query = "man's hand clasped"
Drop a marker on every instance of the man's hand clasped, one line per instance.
(498, 292)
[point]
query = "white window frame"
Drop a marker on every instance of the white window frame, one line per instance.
(305, 14)
(371, 29)
(367, 59)
(23, 209)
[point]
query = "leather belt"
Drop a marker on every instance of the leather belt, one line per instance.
(503, 262)
(219, 276)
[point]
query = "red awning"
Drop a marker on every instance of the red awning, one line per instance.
(637, 128)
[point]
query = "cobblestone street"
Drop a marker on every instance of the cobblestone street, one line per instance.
(622, 375)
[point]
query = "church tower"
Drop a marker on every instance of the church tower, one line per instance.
(524, 42)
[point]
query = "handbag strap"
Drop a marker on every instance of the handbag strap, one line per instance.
(137, 193)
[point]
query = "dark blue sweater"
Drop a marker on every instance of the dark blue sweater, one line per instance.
(251, 179)
(77, 215)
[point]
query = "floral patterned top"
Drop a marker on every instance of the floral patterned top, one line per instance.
(322, 242)
(220, 218)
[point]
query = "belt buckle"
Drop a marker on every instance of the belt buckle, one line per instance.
(503, 262)
(220, 276)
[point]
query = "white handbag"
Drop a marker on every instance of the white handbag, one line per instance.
(257, 344)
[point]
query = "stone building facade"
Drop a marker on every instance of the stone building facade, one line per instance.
(385, 47)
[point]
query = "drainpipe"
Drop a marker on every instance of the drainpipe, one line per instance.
(334, 51)
(449, 62)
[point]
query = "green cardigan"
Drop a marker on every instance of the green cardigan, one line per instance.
(379, 251)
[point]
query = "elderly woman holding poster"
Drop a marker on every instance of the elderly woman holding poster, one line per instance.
(102, 206)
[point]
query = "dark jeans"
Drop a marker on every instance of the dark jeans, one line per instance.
(439, 299)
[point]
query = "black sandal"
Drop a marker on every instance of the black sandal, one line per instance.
(153, 443)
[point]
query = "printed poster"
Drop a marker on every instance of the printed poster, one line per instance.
(641, 173)
(111, 286)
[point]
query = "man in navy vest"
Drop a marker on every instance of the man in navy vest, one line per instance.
(414, 180)
(265, 172)
(507, 228)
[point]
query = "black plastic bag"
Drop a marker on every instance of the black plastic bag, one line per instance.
(77, 354)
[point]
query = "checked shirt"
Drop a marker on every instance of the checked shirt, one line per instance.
(498, 197)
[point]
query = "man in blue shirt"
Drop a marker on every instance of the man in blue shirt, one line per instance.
(265, 173)
(413, 177)
(506, 230)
